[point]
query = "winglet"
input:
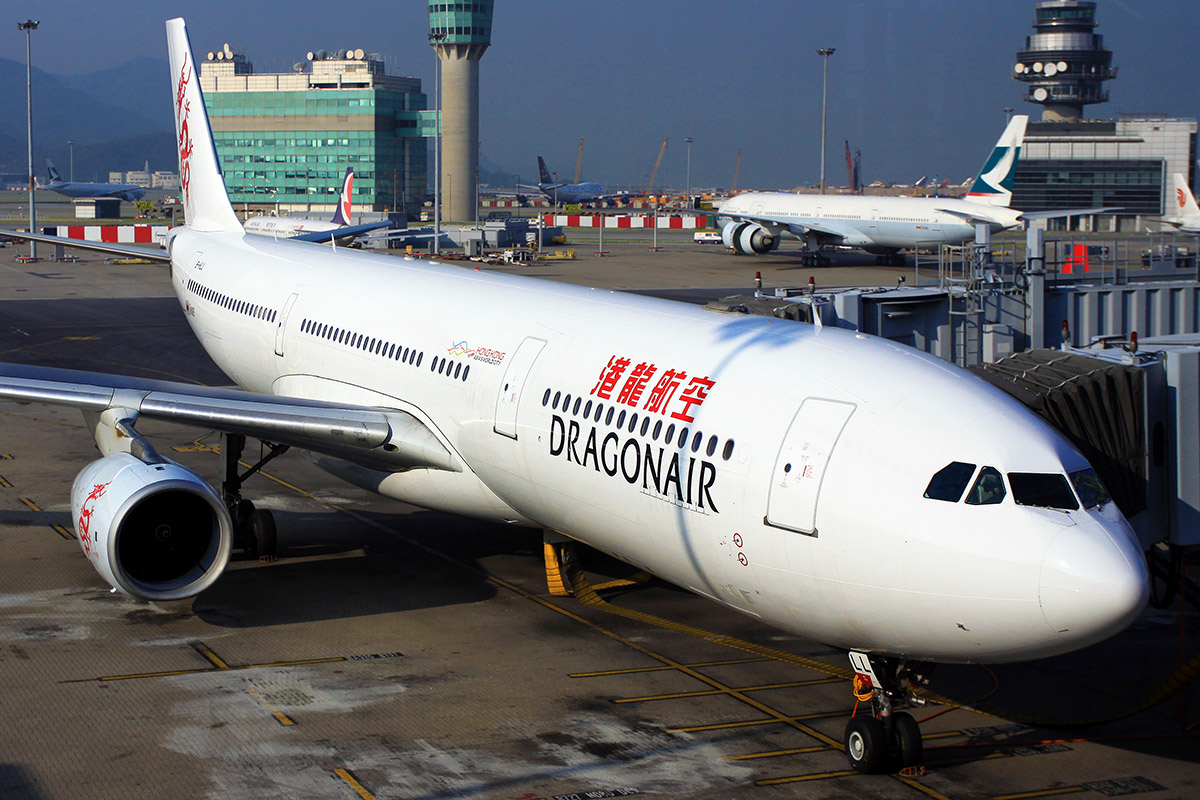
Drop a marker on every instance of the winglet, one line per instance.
(994, 183)
(205, 202)
(342, 215)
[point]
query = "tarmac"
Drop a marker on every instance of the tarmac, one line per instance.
(393, 652)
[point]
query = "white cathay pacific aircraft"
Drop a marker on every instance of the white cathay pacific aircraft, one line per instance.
(316, 230)
(839, 486)
(1185, 216)
(754, 222)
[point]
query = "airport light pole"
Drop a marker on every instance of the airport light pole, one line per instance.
(29, 26)
(824, 53)
(71, 149)
(435, 39)
(688, 142)
(1008, 113)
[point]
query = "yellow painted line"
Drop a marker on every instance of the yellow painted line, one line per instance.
(62, 531)
(1042, 793)
(32, 505)
(775, 719)
(354, 784)
(206, 651)
(711, 692)
(4, 482)
(6, 457)
(196, 448)
(136, 675)
(78, 338)
(816, 776)
(170, 673)
(280, 717)
(920, 787)
(795, 751)
(636, 670)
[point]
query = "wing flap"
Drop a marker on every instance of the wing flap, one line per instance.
(382, 438)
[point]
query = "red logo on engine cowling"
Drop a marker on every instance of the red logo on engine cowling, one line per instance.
(85, 516)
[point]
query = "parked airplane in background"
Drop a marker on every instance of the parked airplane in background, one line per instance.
(1185, 216)
(885, 226)
(842, 487)
(316, 230)
(121, 191)
(571, 193)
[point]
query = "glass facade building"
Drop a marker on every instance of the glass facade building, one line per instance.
(286, 139)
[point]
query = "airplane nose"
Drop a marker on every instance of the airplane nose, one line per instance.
(1094, 582)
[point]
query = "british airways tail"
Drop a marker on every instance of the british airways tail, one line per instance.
(342, 215)
(205, 202)
(993, 185)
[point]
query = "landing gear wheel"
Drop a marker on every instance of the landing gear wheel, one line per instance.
(907, 737)
(262, 535)
(865, 747)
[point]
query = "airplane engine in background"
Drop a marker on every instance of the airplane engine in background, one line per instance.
(748, 237)
(157, 531)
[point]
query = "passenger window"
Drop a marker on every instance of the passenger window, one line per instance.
(1091, 490)
(1048, 490)
(988, 489)
(950, 481)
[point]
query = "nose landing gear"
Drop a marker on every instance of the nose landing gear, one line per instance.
(884, 739)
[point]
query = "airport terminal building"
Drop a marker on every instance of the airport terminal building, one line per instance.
(285, 139)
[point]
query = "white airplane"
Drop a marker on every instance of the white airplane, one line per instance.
(316, 230)
(839, 486)
(1186, 215)
(754, 222)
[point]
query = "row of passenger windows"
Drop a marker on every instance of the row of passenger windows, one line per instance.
(1047, 490)
(232, 303)
(451, 369)
(360, 341)
(595, 411)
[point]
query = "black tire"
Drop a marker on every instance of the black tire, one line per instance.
(907, 736)
(262, 533)
(866, 749)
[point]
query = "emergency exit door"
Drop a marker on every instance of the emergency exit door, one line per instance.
(801, 463)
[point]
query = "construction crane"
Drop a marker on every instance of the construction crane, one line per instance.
(579, 160)
(657, 162)
(737, 165)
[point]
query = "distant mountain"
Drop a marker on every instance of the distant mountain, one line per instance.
(140, 85)
(62, 112)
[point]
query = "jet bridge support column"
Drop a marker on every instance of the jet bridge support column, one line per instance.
(1035, 292)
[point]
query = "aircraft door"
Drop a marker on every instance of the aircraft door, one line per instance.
(509, 397)
(283, 318)
(800, 465)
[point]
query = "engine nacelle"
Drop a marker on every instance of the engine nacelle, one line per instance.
(155, 531)
(748, 237)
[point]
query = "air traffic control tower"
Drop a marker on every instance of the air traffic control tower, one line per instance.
(460, 33)
(1064, 64)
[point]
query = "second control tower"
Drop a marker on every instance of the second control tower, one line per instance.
(1064, 63)
(460, 32)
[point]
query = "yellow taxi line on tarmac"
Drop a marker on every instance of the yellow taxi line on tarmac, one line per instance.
(280, 717)
(708, 693)
(353, 782)
(207, 653)
(62, 531)
(4, 482)
(774, 719)
(636, 670)
(794, 751)
(1060, 790)
(30, 504)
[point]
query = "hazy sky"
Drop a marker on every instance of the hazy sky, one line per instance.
(917, 85)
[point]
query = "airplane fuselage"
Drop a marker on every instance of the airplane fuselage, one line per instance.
(80, 190)
(769, 465)
(286, 227)
(871, 221)
(572, 193)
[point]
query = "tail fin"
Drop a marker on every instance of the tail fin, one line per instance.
(994, 183)
(1183, 203)
(205, 202)
(54, 176)
(543, 172)
(342, 215)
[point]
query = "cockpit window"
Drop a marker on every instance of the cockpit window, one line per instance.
(1091, 490)
(1048, 490)
(950, 481)
(988, 489)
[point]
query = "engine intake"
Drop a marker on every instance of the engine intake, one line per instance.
(156, 531)
(748, 237)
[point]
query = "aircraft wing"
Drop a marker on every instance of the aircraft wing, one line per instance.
(340, 233)
(380, 438)
(970, 218)
(1069, 212)
(124, 250)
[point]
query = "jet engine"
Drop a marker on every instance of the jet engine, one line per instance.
(157, 531)
(748, 237)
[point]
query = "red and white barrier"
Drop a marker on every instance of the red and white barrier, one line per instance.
(114, 234)
(664, 221)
